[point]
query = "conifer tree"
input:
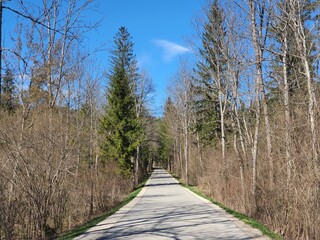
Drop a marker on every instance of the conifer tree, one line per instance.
(8, 89)
(120, 127)
(209, 71)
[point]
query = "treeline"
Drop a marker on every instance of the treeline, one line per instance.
(243, 122)
(59, 165)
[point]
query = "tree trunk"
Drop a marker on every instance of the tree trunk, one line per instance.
(199, 152)
(302, 48)
(186, 152)
(255, 152)
(289, 160)
(180, 159)
(237, 130)
(241, 165)
(137, 167)
(258, 49)
(258, 92)
(223, 137)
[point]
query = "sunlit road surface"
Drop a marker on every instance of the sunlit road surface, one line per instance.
(165, 210)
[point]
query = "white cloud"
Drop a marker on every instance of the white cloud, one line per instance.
(171, 49)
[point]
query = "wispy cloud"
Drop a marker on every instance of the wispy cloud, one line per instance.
(171, 49)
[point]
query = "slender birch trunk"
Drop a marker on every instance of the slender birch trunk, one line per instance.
(289, 160)
(240, 161)
(303, 53)
(238, 131)
(186, 148)
(258, 92)
(222, 124)
(259, 43)
(255, 150)
(199, 151)
(180, 159)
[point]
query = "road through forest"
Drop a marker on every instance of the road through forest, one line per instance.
(166, 210)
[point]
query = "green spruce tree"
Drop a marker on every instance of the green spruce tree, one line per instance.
(120, 126)
(209, 68)
(8, 100)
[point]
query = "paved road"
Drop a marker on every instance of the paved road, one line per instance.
(165, 210)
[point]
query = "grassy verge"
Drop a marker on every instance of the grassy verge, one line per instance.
(250, 221)
(81, 229)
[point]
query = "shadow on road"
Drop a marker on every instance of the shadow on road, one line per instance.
(161, 184)
(168, 211)
(173, 222)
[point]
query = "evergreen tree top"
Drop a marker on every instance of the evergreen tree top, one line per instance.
(122, 55)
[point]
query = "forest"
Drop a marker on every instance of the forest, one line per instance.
(241, 122)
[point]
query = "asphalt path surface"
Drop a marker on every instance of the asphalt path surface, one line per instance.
(165, 210)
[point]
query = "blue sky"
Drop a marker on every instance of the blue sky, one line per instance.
(159, 29)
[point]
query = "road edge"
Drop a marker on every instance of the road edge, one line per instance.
(114, 217)
(253, 232)
(256, 233)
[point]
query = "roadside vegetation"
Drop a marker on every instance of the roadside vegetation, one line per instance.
(250, 221)
(93, 222)
(74, 138)
(242, 123)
